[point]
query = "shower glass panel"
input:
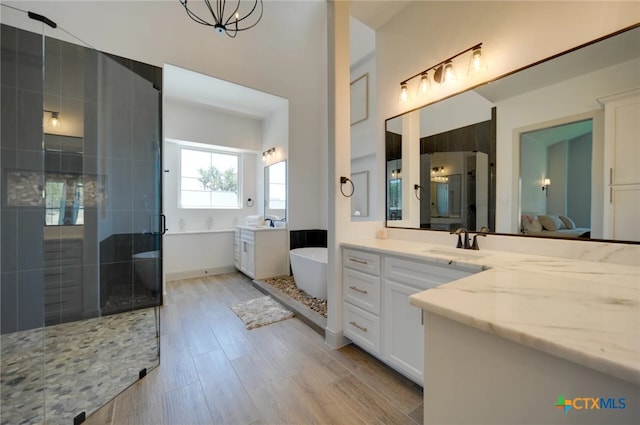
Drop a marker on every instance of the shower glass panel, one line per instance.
(81, 224)
(22, 296)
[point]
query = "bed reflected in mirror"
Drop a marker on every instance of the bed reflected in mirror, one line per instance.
(555, 180)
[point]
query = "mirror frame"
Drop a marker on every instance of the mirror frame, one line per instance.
(484, 83)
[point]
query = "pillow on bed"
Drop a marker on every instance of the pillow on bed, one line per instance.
(551, 222)
(568, 223)
(532, 226)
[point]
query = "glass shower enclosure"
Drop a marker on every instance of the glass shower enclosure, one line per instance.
(80, 222)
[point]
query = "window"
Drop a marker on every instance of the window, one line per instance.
(209, 179)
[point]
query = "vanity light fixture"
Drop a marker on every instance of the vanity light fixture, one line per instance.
(227, 18)
(266, 155)
(444, 72)
(437, 175)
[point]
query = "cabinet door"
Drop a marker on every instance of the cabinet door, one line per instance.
(236, 248)
(247, 258)
(625, 212)
(403, 331)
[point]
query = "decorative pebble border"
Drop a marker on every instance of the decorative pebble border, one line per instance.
(287, 285)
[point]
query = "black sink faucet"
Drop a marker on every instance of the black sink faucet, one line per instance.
(460, 231)
(270, 220)
(482, 232)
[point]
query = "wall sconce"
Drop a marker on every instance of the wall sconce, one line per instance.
(444, 72)
(266, 155)
(54, 119)
(545, 185)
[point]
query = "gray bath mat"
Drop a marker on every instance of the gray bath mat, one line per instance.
(260, 312)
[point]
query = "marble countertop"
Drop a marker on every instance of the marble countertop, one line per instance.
(582, 311)
(260, 228)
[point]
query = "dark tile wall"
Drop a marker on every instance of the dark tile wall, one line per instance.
(307, 238)
(22, 262)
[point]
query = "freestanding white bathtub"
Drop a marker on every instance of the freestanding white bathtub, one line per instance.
(145, 265)
(309, 267)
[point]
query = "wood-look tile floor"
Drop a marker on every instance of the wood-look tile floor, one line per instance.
(214, 371)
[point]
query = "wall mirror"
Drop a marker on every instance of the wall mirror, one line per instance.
(544, 123)
(275, 190)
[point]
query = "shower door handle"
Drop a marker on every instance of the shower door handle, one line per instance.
(153, 221)
(163, 224)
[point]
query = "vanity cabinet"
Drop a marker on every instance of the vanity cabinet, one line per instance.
(361, 294)
(63, 281)
(403, 323)
(377, 314)
(261, 252)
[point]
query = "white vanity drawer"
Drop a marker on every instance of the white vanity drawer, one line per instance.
(362, 327)
(248, 235)
(420, 275)
(362, 261)
(361, 289)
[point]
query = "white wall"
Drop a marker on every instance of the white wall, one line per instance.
(532, 173)
(193, 123)
(364, 132)
(288, 60)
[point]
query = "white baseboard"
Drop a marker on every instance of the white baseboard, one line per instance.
(335, 340)
(210, 271)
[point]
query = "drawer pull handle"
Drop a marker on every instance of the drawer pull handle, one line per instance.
(362, 291)
(358, 326)
(356, 260)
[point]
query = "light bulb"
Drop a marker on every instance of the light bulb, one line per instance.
(425, 84)
(449, 74)
(55, 121)
(477, 62)
(403, 92)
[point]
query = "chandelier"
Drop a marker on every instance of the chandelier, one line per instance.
(226, 18)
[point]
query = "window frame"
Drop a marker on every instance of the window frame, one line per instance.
(213, 150)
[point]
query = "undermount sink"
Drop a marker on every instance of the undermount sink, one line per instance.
(456, 253)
